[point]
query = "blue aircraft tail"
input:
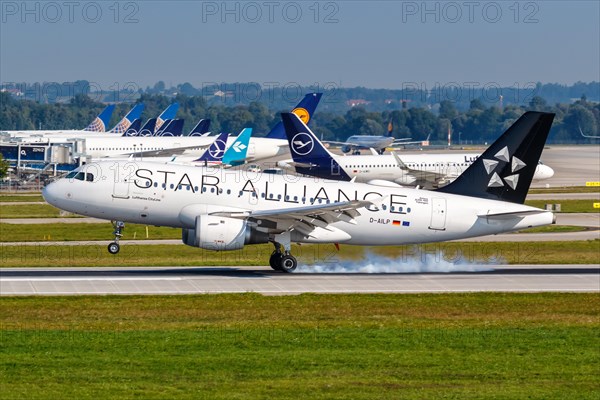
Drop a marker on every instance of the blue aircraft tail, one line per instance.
(148, 128)
(214, 153)
(237, 152)
(309, 154)
(173, 127)
(305, 110)
(100, 123)
(166, 115)
(201, 129)
(126, 122)
(134, 129)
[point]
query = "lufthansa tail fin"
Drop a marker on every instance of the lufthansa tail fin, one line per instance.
(214, 153)
(309, 154)
(126, 122)
(173, 128)
(505, 170)
(168, 114)
(236, 153)
(201, 129)
(100, 123)
(148, 128)
(134, 129)
(305, 110)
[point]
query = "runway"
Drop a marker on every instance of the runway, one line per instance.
(186, 280)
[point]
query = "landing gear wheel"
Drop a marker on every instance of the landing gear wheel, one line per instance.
(288, 263)
(114, 248)
(275, 261)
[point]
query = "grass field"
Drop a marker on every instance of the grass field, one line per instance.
(539, 346)
(6, 198)
(567, 206)
(554, 229)
(94, 255)
(32, 211)
(566, 189)
(83, 231)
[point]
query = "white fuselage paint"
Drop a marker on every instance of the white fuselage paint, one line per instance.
(367, 168)
(157, 194)
(107, 145)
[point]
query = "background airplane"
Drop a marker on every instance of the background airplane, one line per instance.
(310, 157)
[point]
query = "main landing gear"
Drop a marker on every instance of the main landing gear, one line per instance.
(113, 247)
(282, 260)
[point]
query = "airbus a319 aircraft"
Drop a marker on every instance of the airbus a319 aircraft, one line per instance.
(225, 210)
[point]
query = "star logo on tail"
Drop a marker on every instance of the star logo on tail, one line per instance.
(503, 156)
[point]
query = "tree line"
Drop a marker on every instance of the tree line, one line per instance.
(479, 123)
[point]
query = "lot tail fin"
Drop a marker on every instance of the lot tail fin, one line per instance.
(505, 170)
(214, 153)
(305, 110)
(309, 154)
(100, 123)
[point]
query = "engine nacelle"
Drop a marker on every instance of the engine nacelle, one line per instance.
(221, 233)
(346, 149)
(406, 180)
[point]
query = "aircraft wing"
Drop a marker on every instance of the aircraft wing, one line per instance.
(427, 176)
(304, 219)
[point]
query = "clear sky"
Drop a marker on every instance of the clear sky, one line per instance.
(376, 44)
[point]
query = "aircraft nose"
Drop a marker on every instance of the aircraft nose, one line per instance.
(547, 172)
(50, 193)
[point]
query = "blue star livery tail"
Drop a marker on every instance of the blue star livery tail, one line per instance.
(100, 123)
(126, 122)
(214, 153)
(237, 152)
(168, 114)
(201, 129)
(505, 170)
(134, 129)
(304, 110)
(308, 153)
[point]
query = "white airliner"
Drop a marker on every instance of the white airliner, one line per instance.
(310, 157)
(224, 210)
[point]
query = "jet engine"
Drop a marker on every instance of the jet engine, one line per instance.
(406, 180)
(346, 149)
(221, 233)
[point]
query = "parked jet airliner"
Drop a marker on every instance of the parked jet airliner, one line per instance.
(224, 210)
(310, 157)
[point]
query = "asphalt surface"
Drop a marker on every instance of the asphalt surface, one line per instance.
(185, 280)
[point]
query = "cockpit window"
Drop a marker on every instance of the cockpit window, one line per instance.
(71, 175)
(89, 177)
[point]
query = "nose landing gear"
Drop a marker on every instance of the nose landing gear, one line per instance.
(113, 247)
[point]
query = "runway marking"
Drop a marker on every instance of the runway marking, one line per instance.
(91, 279)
